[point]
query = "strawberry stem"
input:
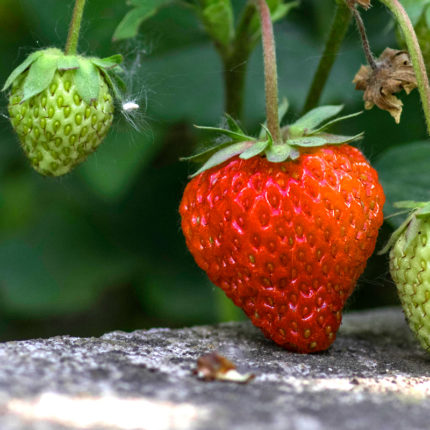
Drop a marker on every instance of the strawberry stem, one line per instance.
(75, 27)
(270, 71)
(415, 53)
(338, 31)
(370, 58)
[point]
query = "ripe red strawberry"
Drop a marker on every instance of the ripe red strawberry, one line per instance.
(286, 241)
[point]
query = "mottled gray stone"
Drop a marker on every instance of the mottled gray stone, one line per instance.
(375, 376)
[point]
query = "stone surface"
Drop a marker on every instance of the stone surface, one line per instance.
(375, 376)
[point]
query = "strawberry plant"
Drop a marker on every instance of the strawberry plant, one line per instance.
(283, 209)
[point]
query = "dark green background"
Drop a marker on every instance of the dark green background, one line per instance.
(101, 248)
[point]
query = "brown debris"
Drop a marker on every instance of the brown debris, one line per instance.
(393, 73)
(215, 367)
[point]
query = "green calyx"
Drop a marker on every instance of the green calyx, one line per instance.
(42, 65)
(419, 211)
(307, 132)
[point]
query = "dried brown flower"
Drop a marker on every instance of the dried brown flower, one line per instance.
(393, 73)
(214, 366)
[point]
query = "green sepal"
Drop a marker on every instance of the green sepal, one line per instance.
(338, 139)
(299, 135)
(254, 150)
(224, 155)
(280, 153)
(282, 111)
(335, 121)
(411, 224)
(87, 81)
(108, 62)
(233, 135)
(315, 117)
(68, 62)
(39, 76)
(113, 84)
(203, 156)
(233, 125)
(43, 64)
(21, 68)
(410, 204)
(307, 141)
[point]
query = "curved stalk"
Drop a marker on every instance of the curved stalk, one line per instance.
(415, 53)
(270, 71)
(75, 27)
(339, 27)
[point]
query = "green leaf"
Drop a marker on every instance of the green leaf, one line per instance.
(217, 17)
(224, 155)
(145, 9)
(405, 175)
(254, 150)
(21, 68)
(87, 81)
(315, 117)
(39, 76)
(108, 62)
(68, 62)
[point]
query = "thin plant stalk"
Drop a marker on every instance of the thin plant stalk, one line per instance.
(75, 28)
(415, 53)
(339, 27)
(270, 71)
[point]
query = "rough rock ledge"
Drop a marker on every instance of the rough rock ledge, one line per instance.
(374, 377)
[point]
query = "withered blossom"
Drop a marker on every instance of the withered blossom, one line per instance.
(393, 73)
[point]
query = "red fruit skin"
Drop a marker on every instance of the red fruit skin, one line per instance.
(286, 241)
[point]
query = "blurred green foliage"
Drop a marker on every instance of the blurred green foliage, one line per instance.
(101, 248)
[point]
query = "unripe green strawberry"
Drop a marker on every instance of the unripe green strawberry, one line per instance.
(61, 108)
(410, 270)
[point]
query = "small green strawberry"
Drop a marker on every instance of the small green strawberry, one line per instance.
(61, 107)
(410, 268)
